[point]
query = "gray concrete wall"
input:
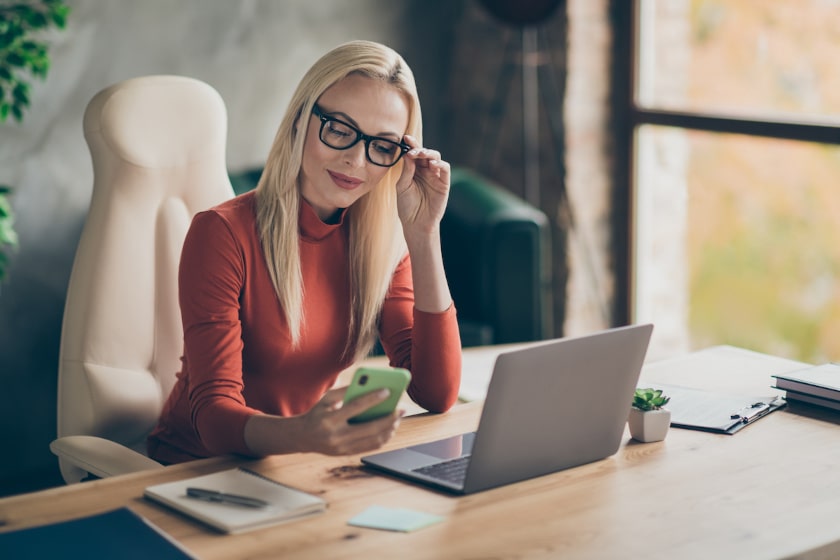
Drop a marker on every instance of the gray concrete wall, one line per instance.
(253, 52)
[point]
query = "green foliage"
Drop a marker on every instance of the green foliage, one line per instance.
(768, 286)
(8, 236)
(649, 399)
(22, 57)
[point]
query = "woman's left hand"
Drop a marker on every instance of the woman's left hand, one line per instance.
(422, 189)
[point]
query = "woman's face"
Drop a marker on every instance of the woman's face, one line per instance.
(332, 179)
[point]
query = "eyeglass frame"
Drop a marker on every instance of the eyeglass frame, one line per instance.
(324, 118)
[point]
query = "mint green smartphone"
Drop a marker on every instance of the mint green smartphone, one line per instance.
(371, 379)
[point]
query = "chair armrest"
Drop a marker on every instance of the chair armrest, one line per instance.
(101, 457)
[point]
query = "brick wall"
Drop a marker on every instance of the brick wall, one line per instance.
(590, 144)
(485, 115)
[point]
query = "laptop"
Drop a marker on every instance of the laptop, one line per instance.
(549, 407)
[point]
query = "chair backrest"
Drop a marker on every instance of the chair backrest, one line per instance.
(158, 150)
(497, 254)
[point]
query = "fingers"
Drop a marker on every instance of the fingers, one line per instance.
(364, 402)
(420, 155)
(411, 141)
(423, 156)
(332, 399)
(330, 433)
(442, 170)
(339, 437)
(349, 439)
(371, 435)
(424, 164)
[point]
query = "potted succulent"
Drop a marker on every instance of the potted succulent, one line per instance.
(648, 421)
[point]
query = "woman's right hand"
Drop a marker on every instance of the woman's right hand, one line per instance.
(325, 428)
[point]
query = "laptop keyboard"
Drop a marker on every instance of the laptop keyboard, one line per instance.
(452, 471)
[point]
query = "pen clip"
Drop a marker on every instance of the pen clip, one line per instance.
(752, 412)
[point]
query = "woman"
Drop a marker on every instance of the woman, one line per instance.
(284, 287)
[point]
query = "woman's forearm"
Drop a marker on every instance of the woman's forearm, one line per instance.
(266, 434)
(431, 290)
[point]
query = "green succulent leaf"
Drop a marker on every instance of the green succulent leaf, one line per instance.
(649, 399)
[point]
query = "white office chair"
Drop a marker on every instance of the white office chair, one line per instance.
(158, 150)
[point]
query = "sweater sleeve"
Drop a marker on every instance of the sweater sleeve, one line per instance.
(426, 344)
(210, 280)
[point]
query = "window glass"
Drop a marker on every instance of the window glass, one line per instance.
(738, 242)
(773, 59)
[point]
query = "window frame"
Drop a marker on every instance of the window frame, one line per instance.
(629, 116)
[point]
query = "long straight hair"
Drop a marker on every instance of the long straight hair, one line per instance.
(376, 242)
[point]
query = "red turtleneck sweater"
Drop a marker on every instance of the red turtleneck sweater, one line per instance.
(238, 360)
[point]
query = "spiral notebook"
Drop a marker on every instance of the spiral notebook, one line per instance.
(282, 503)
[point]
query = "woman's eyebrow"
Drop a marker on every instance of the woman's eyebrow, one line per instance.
(349, 120)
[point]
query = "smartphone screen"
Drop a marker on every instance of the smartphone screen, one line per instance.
(371, 379)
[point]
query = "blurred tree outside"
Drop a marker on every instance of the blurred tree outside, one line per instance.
(761, 234)
(24, 55)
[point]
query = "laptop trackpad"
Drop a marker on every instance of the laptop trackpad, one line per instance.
(449, 448)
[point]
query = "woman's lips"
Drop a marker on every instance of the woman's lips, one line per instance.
(344, 181)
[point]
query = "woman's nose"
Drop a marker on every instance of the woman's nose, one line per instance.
(355, 155)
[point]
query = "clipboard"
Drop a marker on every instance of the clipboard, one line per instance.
(721, 413)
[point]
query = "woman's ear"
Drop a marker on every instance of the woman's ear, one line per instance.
(299, 123)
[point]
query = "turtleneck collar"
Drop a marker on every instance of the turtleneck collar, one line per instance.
(311, 226)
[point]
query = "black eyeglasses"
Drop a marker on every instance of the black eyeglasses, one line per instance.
(339, 135)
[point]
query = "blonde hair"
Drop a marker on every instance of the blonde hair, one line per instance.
(376, 242)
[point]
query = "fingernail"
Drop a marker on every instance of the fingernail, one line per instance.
(384, 393)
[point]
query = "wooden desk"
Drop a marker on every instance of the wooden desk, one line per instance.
(770, 491)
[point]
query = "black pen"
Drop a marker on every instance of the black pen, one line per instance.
(222, 497)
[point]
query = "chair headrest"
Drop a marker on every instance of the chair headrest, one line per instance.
(157, 121)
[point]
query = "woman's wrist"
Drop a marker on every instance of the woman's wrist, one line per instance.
(267, 434)
(431, 290)
(422, 236)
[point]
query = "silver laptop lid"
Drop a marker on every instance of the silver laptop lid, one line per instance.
(556, 405)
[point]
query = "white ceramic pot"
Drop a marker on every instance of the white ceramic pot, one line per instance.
(649, 425)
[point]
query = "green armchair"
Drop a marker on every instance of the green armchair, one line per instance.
(497, 255)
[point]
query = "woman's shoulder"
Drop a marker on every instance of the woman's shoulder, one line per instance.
(238, 212)
(243, 204)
